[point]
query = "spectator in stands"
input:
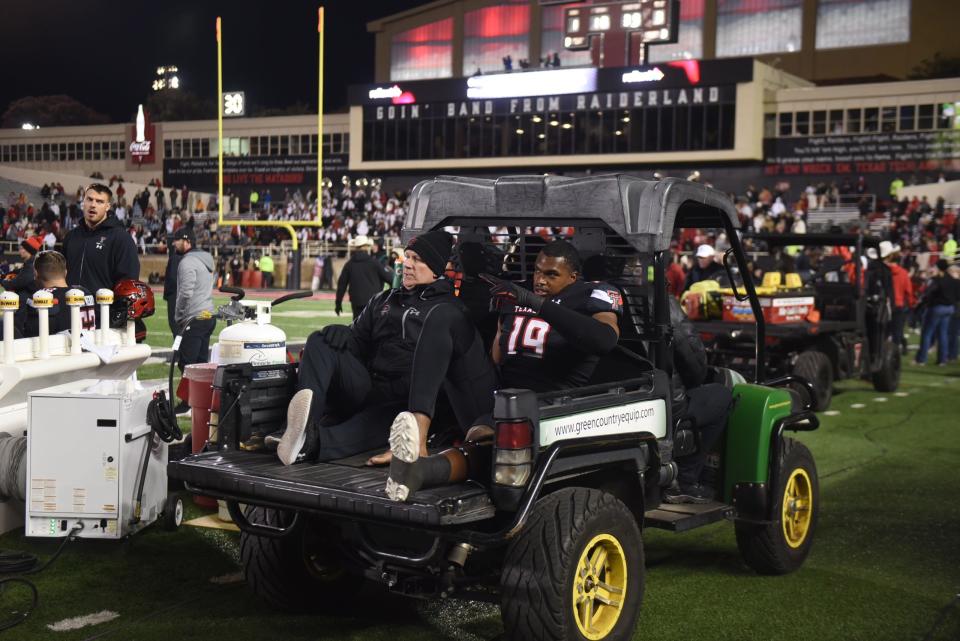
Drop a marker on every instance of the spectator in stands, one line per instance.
(707, 268)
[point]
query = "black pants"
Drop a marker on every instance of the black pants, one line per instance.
(708, 406)
(448, 357)
(195, 342)
(898, 321)
(267, 280)
(342, 386)
(357, 310)
(171, 310)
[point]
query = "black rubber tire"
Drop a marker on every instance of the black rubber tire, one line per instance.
(286, 572)
(887, 378)
(536, 581)
(172, 515)
(764, 547)
(815, 366)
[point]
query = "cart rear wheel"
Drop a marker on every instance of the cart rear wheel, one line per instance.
(299, 572)
(575, 572)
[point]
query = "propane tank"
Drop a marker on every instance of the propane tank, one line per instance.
(253, 341)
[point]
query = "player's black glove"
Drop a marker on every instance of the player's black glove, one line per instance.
(338, 308)
(337, 337)
(504, 293)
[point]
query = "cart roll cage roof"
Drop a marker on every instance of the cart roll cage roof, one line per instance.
(643, 212)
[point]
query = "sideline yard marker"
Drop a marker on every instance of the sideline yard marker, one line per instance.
(75, 623)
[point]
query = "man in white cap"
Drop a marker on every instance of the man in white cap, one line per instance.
(706, 268)
(362, 276)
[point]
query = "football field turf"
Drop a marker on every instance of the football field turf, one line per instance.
(885, 564)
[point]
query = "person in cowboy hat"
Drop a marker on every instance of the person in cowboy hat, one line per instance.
(362, 276)
(903, 296)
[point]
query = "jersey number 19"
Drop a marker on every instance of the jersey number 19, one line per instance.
(531, 332)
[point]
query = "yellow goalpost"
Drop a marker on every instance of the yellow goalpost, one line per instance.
(289, 225)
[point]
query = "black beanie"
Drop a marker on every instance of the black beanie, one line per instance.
(434, 249)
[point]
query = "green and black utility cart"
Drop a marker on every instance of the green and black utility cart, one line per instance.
(554, 535)
(846, 333)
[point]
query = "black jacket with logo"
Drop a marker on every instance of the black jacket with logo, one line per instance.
(100, 258)
(386, 333)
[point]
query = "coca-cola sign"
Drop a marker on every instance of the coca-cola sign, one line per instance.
(142, 137)
(140, 149)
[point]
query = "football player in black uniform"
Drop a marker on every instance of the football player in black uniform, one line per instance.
(51, 269)
(549, 338)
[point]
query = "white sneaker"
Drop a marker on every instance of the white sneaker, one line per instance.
(298, 411)
(405, 447)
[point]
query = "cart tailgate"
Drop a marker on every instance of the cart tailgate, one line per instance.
(336, 488)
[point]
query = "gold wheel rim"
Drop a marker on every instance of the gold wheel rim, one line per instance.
(797, 508)
(599, 586)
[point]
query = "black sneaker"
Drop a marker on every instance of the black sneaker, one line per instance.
(684, 493)
(181, 408)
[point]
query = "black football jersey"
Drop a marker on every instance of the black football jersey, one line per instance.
(537, 357)
(58, 315)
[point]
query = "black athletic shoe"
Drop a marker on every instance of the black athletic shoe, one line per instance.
(683, 493)
(181, 408)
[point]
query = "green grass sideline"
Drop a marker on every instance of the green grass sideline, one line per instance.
(885, 561)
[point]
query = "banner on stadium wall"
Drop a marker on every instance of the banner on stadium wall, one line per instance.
(880, 153)
(243, 173)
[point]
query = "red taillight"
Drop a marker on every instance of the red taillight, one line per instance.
(513, 455)
(514, 435)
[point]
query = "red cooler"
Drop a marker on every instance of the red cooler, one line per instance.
(199, 379)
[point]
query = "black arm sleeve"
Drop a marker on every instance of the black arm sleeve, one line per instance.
(587, 333)
(689, 354)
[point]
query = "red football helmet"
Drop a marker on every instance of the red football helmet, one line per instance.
(132, 300)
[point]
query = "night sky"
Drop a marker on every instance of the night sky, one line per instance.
(105, 54)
